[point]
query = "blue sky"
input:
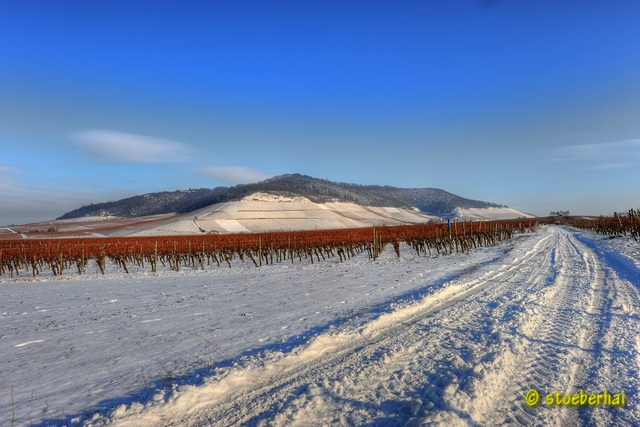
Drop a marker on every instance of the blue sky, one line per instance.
(533, 104)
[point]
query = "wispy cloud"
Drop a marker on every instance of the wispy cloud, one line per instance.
(605, 166)
(235, 174)
(125, 147)
(607, 155)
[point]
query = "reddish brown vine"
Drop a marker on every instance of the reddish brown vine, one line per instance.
(64, 256)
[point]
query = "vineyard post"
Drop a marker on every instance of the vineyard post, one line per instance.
(396, 247)
(155, 257)
(61, 266)
(260, 250)
(455, 229)
(101, 261)
(271, 250)
(80, 264)
(621, 230)
(374, 243)
(175, 259)
(202, 256)
(215, 257)
(376, 239)
(377, 243)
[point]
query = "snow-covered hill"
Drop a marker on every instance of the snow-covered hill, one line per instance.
(431, 201)
(257, 212)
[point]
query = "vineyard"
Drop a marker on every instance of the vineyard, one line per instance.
(620, 224)
(71, 256)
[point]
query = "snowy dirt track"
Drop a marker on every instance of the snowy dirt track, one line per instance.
(467, 338)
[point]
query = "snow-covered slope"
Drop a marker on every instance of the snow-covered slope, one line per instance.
(258, 212)
(265, 212)
(433, 201)
(454, 340)
(493, 213)
(261, 212)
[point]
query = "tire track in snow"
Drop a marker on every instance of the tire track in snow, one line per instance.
(616, 349)
(554, 336)
(465, 355)
(345, 351)
(244, 392)
(563, 351)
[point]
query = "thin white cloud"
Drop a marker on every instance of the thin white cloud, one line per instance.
(235, 174)
(125, 147)
(603, 156)
(605, 166)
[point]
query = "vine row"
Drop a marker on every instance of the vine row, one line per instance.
(620, 224)
(72, 255)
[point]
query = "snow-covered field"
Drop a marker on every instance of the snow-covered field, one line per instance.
(455, 340)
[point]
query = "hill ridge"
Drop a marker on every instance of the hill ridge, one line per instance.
(432, 201)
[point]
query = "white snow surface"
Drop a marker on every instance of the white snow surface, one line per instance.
(268, 197)
(94, 218)
(179, 227)
(260, 212)
(491, 214)
(450, 340)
